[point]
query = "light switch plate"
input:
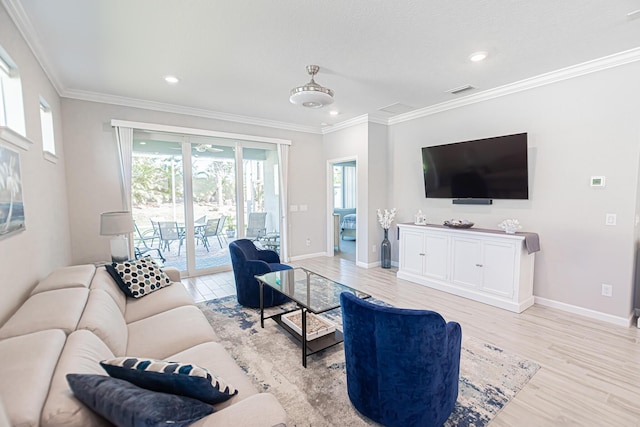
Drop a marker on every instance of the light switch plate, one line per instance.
(610, 219)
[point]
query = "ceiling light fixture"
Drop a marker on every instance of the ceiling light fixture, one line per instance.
(171, 79)
(311, 95)
(334, 112)
(478, 56)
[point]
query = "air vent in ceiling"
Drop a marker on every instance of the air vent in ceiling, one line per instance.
(457, 90)
(396, 108)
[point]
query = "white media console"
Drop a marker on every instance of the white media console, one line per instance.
(486, 266)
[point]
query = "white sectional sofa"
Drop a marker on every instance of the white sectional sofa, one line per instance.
(78, 316)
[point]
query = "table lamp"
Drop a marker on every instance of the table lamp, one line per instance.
(118, 225)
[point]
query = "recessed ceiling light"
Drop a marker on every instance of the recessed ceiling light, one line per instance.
(478, 56)
(334, 112)
(171, 79)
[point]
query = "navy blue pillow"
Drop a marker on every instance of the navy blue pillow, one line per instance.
(116, 278)
(171, 377)
(127, 405)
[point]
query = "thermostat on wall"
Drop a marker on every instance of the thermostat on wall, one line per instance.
(597, 181)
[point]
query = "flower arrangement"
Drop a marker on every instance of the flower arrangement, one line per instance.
(386, 218)
(510, 226)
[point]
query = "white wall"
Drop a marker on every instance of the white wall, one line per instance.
(577, 128)
(27, 257)
(93, 172)
(378, 189)
(352, 142)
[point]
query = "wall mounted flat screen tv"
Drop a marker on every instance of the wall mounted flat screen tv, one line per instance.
(491, 168)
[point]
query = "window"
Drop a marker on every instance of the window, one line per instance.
(46, 123)
(11, 105)
(344, 185)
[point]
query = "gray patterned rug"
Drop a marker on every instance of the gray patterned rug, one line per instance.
(317, 396)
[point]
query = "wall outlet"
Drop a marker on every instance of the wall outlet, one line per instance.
(293, 208)
(610, 219)
(607, 290)
(308, 242)
(374, 249)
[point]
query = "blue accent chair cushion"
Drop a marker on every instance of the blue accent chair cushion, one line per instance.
(248, 262)
(126, 405)
(170, 377)
(402, 365)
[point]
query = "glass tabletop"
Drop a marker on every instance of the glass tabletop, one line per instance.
(311, 290)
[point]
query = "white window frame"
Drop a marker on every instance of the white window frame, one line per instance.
(12, 104)
(48, 133)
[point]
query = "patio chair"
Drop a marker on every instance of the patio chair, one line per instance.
(256, 225)
(141, 247)
(213, 228)
(169, 233)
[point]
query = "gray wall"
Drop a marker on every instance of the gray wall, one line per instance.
(577, 128)
(93, 172)
(27, 257)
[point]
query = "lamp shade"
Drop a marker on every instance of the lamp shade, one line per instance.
(116, 223)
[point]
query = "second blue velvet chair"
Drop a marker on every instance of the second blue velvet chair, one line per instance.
(249, 261)
(402, 365)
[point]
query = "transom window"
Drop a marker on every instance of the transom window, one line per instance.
(11, 104)
(46, 123)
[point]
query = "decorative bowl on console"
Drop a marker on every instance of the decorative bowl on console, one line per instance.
(458, 223)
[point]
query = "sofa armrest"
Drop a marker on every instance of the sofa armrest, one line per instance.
(173, 273)
(259, 410)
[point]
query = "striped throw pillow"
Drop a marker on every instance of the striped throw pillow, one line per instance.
(183, 379)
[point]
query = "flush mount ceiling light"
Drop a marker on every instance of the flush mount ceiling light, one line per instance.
(311, 95)
(171, 79)
(478, 56)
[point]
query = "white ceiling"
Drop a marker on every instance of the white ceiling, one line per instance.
(242, 57)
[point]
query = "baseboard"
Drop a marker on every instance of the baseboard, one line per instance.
(307, 256)
(368, 265)
(592, 314)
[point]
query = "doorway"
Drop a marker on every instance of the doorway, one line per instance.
(342, 238)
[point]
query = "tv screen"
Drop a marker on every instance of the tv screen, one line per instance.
(491, 168)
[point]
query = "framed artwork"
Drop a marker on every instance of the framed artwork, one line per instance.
(11, 207)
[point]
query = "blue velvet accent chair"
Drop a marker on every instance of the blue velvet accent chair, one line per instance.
(249, 261)
(402, 365)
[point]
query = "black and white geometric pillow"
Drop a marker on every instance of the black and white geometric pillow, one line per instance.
(138, 278)
(171, 377)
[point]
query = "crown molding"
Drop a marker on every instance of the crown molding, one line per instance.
(23, 23)
(189, 111)
(573, 71)
(346, 124)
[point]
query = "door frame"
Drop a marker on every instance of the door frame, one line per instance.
(330, 205)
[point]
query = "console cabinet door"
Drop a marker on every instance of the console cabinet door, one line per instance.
(499, 264)
(467, 262)
(436, 263)
(412, 248)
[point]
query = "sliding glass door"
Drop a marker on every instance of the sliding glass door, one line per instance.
(186, 191)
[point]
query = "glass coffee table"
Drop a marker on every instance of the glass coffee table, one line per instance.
(313, 294)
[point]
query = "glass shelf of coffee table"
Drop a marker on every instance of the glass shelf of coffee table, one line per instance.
(312, 293)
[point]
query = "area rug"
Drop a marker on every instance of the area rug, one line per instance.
(317, 395)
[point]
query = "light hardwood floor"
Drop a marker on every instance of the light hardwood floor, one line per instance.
(590, 370)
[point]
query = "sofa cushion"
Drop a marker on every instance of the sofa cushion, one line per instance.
(163, 334)
(57, 309)
(103, 317)
(76, 276)
(184, 379)
(215, 358)
(103, 280)
(81, 354)
(160, 301)
(28, 363)
(127, 405)
(138, 278)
